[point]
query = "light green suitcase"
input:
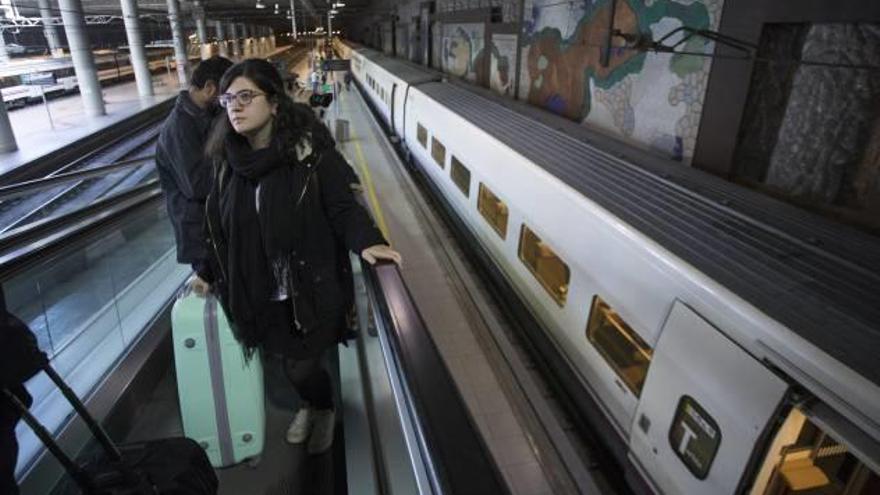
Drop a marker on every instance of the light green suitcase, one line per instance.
(221, 397)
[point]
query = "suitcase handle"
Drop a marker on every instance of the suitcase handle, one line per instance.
(75, 471)
(109, 447)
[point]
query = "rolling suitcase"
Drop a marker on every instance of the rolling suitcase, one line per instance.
(171, 466)
(220, 393)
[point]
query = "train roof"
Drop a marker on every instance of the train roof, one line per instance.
(403, 69)
(820, 279)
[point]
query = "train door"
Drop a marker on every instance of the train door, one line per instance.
(393, 106)
(705, 406)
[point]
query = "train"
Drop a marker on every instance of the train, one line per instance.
(55, 77)
(724, 342)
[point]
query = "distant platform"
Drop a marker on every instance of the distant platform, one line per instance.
(36, 136)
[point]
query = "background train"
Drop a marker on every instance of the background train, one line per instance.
(26, 84)
(650, 288)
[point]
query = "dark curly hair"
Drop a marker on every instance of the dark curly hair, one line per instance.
(292, 120)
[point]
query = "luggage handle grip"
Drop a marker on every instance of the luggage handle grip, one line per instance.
(75, 472)
(109, 447)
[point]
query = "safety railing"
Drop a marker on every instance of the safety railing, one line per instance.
(430, 428)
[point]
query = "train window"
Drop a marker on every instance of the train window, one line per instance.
(621, 347)
(461, 176)
(493, 210)
(694, 437)
(545, 265)
(438, 151)
(422, 135)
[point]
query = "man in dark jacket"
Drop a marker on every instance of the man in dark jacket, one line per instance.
(20, 359)
(184, 172)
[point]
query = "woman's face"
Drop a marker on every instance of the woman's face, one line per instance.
(248, 119)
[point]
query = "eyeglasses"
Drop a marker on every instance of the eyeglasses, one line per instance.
(243, 98)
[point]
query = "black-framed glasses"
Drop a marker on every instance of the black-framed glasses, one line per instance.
(243, 98)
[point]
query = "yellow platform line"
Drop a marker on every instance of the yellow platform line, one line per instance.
(371, 191)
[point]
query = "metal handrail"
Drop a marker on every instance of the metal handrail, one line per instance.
(456, 458)
(22, 250)
(31, 186)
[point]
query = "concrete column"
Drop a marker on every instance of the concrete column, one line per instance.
(243, 34)
(7, 137)
(4, 55)
(81, 53)
(49, 30)
(136, 48)
(248, 40)
(221, 38)
(292, 20)
(233, 37)
(179, 43)
(201, 29)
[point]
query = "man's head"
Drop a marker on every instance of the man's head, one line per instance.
(206, 80)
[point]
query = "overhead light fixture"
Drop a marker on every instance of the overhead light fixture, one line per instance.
(260, 4)
(338, 5)
(334, 11)
(276, 9)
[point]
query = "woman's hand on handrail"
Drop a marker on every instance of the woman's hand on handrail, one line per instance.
(381, 252)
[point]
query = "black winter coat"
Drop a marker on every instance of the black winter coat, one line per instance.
(328, 219)
(185, 175)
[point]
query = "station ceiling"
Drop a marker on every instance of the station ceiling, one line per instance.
(226, 10)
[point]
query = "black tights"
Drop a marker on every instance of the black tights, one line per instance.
(311, 380)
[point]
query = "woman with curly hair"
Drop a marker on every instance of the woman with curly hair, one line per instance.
(279, 206)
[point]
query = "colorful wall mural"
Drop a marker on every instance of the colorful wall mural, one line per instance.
(461, 49)
(502, 64)
(650, 99)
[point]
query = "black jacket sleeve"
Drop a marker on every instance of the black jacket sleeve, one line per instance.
(349, 220)
(191, 170)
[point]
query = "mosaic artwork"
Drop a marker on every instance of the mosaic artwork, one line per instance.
(650, 99)
(462, 45)
(502, 64)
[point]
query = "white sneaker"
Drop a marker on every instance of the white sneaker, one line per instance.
(300, 426)
(324, 423)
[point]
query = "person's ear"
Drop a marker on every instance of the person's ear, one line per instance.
(210, 89)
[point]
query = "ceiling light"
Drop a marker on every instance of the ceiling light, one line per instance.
(260, 4)
(276, 9)
(338, 5)
(334, 11)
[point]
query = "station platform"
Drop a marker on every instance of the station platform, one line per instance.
(38, 134)
(39, 131)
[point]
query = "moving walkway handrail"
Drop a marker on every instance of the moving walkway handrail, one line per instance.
(85, 148)
(27, 187)
(20, 248)
(458, 460)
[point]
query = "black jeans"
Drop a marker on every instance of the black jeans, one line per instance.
(311, 380)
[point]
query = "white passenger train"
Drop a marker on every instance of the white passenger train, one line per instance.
(728, 354)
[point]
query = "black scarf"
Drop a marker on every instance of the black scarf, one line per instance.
(254, 238)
